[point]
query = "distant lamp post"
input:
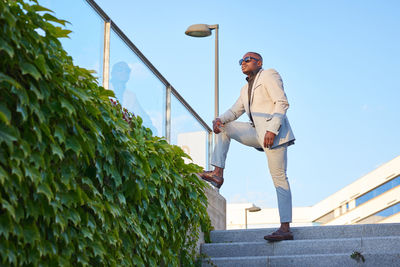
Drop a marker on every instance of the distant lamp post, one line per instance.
(204, 30)
(251, 209)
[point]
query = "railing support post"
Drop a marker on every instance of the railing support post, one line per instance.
(168, 114)
(106, 55)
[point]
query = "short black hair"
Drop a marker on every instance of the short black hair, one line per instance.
(255, 53)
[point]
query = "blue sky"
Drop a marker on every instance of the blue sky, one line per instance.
(339, 60)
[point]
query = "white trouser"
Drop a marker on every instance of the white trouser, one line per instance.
(245, 133)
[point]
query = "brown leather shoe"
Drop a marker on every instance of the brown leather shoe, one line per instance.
(209, 176)
(279, 235)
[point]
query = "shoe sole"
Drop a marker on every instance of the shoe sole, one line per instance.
(214, 184)
(276, 240)
(211, 182)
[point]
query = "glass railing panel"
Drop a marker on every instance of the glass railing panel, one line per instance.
(188, 133)
(135, 86)
(85, 44)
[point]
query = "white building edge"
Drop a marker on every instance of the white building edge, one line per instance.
(373, 198)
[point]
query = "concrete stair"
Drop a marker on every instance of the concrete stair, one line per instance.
(379, 244)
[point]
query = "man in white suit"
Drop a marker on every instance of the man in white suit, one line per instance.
(264, 101)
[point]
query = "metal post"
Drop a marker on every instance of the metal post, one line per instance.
(216, 74)
(106, 55)
(168, 114)
(245, 218)
(210, 147)
(216, 85)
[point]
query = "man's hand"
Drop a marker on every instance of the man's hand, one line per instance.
(217, 123)
(269, 139)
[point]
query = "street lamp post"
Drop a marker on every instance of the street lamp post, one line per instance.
(204, 30)
(251, 209)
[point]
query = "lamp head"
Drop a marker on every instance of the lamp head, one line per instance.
(254, 209)
(198, 30)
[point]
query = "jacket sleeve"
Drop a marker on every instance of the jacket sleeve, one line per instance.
(274, 86)
(234, 112)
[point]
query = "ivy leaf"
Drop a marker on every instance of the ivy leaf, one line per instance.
(9, 80)
(60, 220)
(56, 149)
(73, 144)
(8, 17)
(45, 189)
(25, 147)
(5, 225)
(6, 47)
(28, 68)
(40, 62)
(8, 134)
(115, 211)
(121, 198)
(73, 216)
(98, 249)
(83, 259)
(46, 130)
(116, 176)
(65, 104)
(32, 209)
(3, 175)
(32, 172)
(59, 134)
(59, 32)
(138, 261)
(6, 205)
(87, 233)
(50, 17)
(152, 190)
(37, 92)
(5, 114)
(82, 95)
(17, 171)
(22, 110)
(69, 199)
(31, 234)
(22, 95)
(40, 8)
(38, 133)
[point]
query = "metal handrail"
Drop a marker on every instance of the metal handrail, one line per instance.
(153, 69)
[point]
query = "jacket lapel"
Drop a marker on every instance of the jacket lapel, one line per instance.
(255, 84)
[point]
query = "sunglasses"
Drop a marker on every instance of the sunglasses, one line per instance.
(247, 60)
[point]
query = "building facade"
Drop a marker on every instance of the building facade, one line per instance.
(373, 198)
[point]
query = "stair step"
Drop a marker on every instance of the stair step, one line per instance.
(331, 260)
(314, 232)
(303, 247)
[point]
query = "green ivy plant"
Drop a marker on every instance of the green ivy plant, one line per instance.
(79, 185)
(357, 256)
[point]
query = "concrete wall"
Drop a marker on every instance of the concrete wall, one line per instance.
(216, 208)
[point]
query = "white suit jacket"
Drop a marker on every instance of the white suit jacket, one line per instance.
(268, 105)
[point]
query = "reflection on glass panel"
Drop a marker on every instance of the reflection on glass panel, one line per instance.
(135, 86)
(379, 216)
(85, 44)
(379, 190)
(188, 133)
